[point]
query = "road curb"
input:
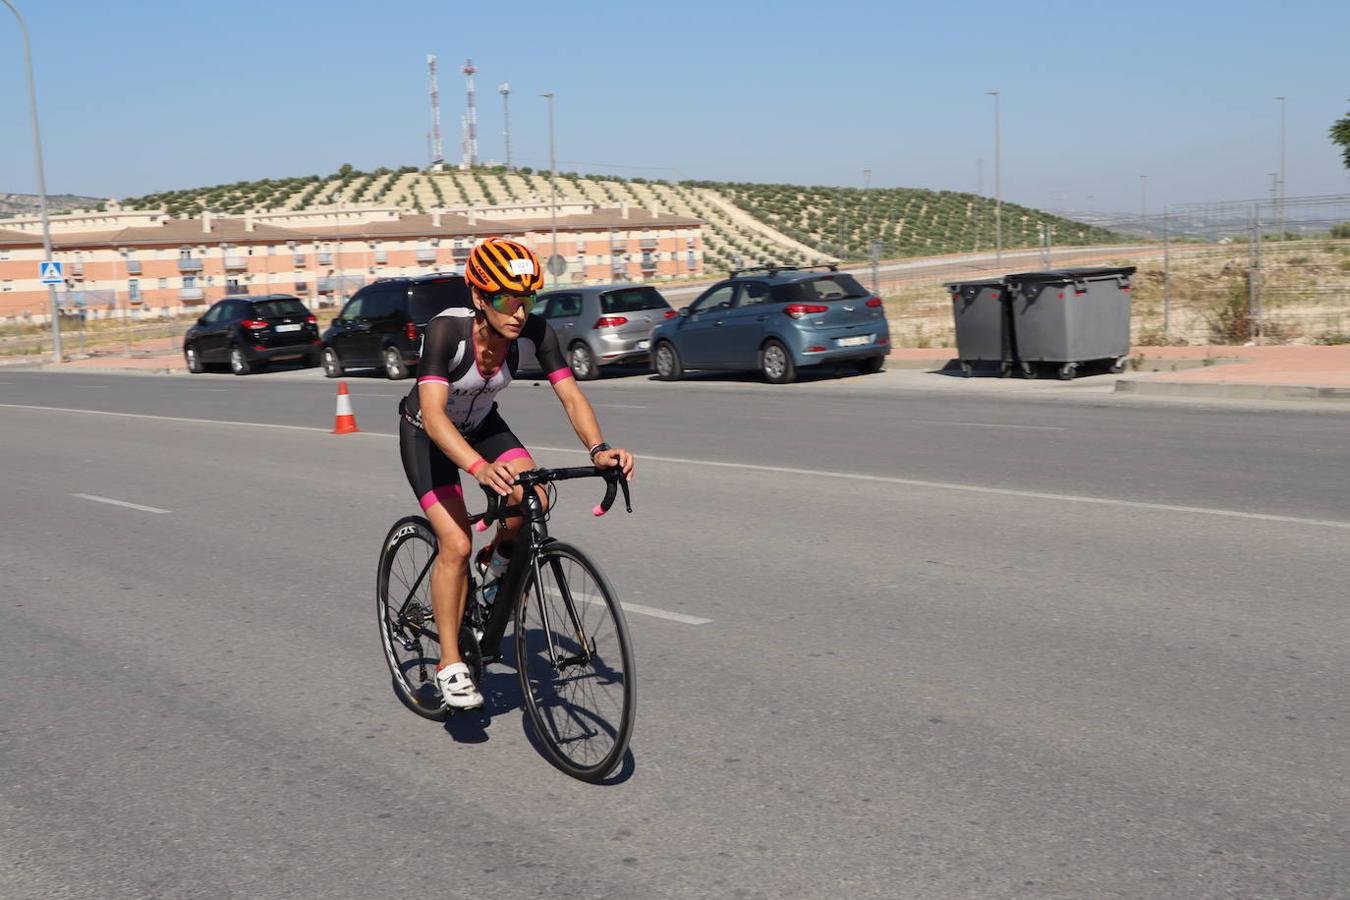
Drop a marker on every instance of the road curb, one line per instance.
(1231, 391)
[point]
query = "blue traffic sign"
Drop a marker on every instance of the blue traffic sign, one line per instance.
(51, 272)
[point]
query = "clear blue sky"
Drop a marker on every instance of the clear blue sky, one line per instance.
(150, 95)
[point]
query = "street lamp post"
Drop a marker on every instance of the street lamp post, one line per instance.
(552, 173)
(41, 179)
(1279, 202)
(998, 182)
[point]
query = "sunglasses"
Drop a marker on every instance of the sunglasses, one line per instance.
(506, 304)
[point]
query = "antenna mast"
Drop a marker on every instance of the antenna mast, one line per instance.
(505, 91)
(470, 120)
(437, 148)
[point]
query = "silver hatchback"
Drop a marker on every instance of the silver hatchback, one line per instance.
(600, 325)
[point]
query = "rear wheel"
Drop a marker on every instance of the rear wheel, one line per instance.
(582, 361)
(408, 632)
(872, 365)
(394, 366)
(776, 363)
(666, 361)
(575, 662)
(194, 360)
(331, 362)
(239, 363)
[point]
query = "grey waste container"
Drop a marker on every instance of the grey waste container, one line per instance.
(1070, 317)
(982, 333)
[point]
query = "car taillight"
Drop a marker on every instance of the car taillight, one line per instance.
(670, 314)
(410, 331)
(311, 320)
(253, 323)
(797, 310)
(874, 302)
(610, 321)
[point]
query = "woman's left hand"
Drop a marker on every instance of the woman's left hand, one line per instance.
(616, 456)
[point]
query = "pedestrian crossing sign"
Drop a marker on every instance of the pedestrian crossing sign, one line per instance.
(51, 272)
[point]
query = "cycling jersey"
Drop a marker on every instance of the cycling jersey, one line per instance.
(448, 357)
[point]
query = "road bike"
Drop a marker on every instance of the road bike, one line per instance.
(572, 650)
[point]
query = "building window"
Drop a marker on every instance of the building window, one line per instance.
(133, 289)
(189, 281)
(691, 259)
(7, 286)
(163, 283)
(185, 253)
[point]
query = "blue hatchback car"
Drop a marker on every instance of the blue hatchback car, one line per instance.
(776, 319)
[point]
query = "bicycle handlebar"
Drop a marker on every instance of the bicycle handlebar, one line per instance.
(498, 510)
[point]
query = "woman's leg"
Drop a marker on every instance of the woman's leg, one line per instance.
(449, 583)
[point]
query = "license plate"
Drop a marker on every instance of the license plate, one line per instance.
(643, 345)
(295, 327)
(855, 341)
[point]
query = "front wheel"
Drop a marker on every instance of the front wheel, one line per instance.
(394, 366)
(575, 662)
(776, 363)
(666, 361)
(331, 362)
(582, 361)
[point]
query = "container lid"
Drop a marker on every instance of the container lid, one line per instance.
(984, 282)
(1065, 276)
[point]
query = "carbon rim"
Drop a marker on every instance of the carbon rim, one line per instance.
(411, 647)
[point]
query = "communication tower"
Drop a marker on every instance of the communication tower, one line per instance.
(505, 91)
(437, 148)
(470, 120)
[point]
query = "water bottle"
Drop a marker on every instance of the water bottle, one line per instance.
(490, 576)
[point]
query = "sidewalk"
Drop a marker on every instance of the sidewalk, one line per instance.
(1290, 372)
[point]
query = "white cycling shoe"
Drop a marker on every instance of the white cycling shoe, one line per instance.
(457, 688)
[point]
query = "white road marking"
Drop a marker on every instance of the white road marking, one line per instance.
(208, 389)
(616, 406)
(636, 608)
(90, 386)
(149, 509)
(988, 425)
(782, 470)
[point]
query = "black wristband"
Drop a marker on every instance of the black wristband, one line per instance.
(598, 447)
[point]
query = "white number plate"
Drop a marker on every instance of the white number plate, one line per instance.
(288, 327)
(855, 341)
(643, 345)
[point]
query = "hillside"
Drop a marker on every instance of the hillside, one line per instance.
(744, 223)
(27, 204)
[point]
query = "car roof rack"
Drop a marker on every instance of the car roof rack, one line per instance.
(773, 269)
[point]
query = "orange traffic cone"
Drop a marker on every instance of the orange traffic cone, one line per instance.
(346, 421)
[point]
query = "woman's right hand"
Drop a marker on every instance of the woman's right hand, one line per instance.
(497, 477)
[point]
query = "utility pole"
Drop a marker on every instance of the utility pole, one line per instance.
(41, 180)
(552, 172)
(998, 181)
(1279, 202)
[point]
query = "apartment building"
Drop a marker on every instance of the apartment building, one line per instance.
(144, 263)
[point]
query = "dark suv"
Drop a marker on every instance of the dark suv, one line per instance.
(382, 324)
(777, 319)
(250, 332)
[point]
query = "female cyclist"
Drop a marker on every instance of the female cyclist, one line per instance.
(450, 422)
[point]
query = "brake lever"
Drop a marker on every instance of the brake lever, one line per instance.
(495, 501)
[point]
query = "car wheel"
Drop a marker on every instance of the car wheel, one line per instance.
(332, 364)
(394, 366)
(666, 361)
(871, 365)
(776, 364)
(582, 361)
(239, 363)
(194, 360)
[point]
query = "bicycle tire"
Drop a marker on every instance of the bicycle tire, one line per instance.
(411, 649)
(585, 742)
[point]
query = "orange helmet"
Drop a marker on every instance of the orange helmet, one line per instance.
(498, 265)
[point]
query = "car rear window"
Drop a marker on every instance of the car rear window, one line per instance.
(267, 309)
(632, 300)
(430, 297)
(836, 286)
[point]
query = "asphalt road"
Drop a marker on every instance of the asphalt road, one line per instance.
(961, 644)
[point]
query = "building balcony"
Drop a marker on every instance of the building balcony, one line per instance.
(325, 258)
(187, 264)
(648, 266)
(460, 254)
(381, 257)
(298, 259)
(618, 269)
(647, 244)
(426, 255)
(191, 295)
(133, 267)
(236, 263)
(618, 246)
(301, 287)
(75, 270)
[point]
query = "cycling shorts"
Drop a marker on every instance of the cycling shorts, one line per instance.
(433, 477)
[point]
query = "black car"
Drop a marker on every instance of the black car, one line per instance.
(382, 324)
(250, 332)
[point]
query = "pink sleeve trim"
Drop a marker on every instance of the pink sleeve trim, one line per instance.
(432, 379)
(558, 375)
